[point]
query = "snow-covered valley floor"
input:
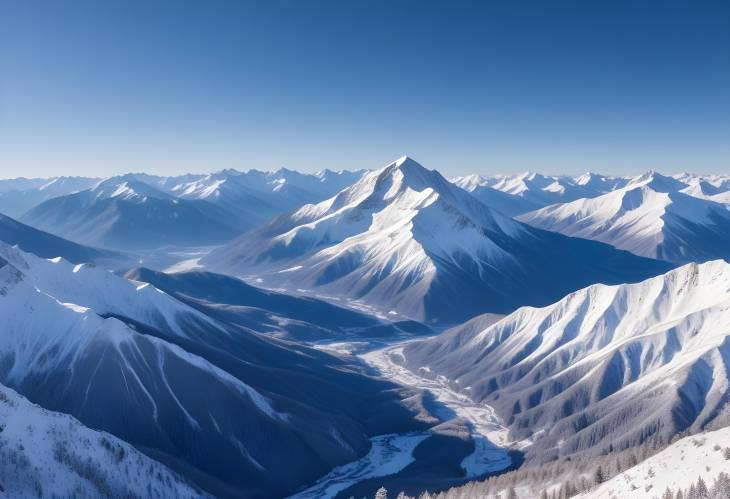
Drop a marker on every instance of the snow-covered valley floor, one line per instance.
(392, 453)
(489, 435)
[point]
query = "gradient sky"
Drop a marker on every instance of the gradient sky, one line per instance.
(100, 87)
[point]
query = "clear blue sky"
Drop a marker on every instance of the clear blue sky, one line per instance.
(99, 87)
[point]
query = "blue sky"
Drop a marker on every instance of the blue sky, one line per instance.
(101, 87)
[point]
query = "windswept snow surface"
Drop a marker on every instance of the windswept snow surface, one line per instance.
(678, 466)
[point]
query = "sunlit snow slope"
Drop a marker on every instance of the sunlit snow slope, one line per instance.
(604, 368)
(651, 217)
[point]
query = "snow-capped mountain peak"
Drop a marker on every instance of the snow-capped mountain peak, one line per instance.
(657, 182)
(125, 187)
(398, 238)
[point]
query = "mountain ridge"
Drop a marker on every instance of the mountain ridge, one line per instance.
(405, 238)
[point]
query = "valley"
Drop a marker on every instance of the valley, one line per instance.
(364, 249)
(402, 333)
(491, 450)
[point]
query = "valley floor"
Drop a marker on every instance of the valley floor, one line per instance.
(396, 456)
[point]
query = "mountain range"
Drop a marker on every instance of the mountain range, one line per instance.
(408, 242)
(517, 194)
(141, 212)
(652, 216)
(323, 335)
(19, 195)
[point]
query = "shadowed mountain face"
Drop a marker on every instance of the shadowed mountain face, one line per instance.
(217, 403)
(405, 240)
(291, 317)
(603, 369)
(123, 213)
(47, 245)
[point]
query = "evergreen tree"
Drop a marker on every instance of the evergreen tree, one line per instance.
(702, 488)
(382, 493)
(599, 476)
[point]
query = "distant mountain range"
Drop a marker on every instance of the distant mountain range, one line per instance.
(47, 245)
(651, 216)
(124, 213)
(142, 212)
(519, 193)
(20, 195)
(407, 241)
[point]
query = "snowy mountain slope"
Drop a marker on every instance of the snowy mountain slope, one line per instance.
(124, 213)
(406, 240)
(650, 217)
(223, 406)
(238, 195)
(523, 192)
(47, 245)
(284, 316)
(719, 182)
(259, 196)
(703, 189)
(42, 452)
(506, 203)
(605, 368)
(676, 467)
(20, 195)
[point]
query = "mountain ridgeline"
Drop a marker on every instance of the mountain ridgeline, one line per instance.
(408, 242)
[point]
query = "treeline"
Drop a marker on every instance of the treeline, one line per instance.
(569, 477)
(720, 489)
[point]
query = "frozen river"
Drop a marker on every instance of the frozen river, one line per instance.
(392, 453)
